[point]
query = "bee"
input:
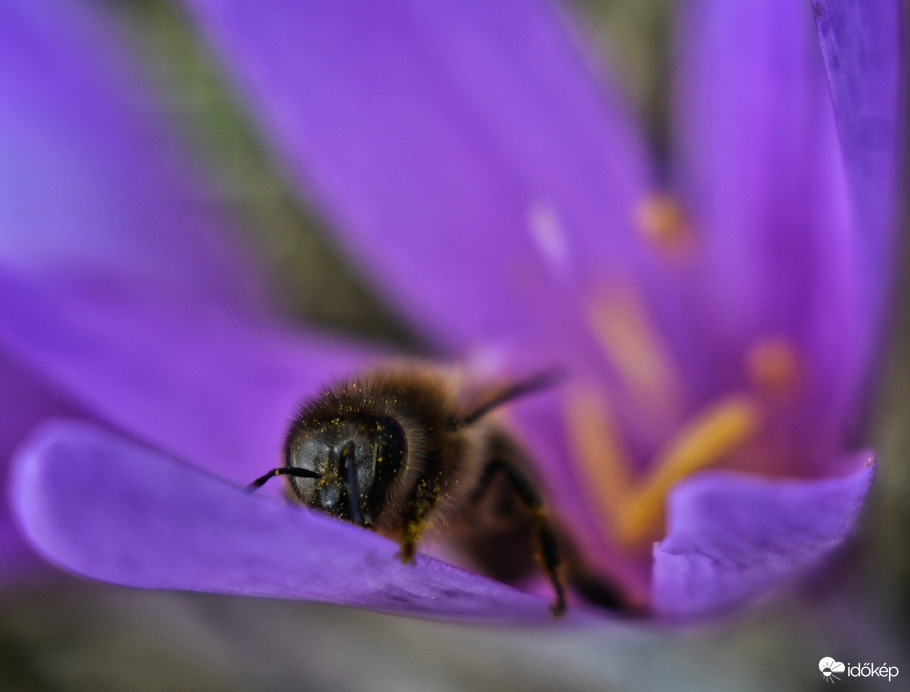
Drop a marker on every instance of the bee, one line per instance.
(403, 450)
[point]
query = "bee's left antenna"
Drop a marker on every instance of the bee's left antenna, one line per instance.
(295, 471)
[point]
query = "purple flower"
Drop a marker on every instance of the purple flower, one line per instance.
(719, 318)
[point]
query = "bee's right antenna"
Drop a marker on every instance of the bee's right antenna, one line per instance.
(295, 471)
(512, 392)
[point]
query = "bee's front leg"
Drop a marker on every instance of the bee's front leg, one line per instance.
(420, 505)
(409, 543)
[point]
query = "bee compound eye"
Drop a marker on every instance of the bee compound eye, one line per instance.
(307, 455)
(390, 446)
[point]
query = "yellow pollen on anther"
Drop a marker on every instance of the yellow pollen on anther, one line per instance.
(774, 366)
(663, 221)
(706, 441)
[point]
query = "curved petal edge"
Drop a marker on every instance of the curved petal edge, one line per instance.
(733, 537)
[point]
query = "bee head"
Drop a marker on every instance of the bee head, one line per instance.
(353, 460)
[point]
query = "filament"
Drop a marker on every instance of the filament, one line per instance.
(633, 347)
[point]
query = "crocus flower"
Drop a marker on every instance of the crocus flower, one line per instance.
(718, 318)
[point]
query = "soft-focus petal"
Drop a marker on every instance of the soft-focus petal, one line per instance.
(731, 536)
(201, 383)
(861, 45)
(761, 167)
(27, 399)
(90, 180)
(109, 509)
(466, 152)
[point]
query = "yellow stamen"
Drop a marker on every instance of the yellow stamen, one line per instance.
(774, 366)
(630, 342)
(602, 459)
(662, 220)
(635, 510)
(705, 442)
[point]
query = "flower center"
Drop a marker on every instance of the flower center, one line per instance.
(632, 505)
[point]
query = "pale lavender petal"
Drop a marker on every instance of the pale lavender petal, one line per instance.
(465, 151)
(732, 537)
(90, 180)
(202, 383)
(108, 509)
(861, 45)
(761, 167)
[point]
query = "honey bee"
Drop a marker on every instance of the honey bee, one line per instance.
(407, 449)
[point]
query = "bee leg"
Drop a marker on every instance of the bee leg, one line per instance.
(421, 502)
(409, 544)
(544, 537)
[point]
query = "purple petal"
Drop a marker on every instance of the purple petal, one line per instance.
(431, 134)
(762, 169)
(861, 45)
(89, 179)
(732, 537)
(199, 382)
(108, 509)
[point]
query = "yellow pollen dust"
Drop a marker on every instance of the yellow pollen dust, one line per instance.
(774, 366)
(663, 221)
(634, 508)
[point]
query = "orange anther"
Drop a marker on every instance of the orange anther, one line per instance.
(663, 221)
(774, 366)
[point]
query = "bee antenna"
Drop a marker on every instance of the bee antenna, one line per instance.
(347, 461)
(544, 380)
(294, 471)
